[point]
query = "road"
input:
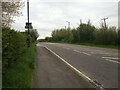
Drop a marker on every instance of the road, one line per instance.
(50, 72)
(99, 64)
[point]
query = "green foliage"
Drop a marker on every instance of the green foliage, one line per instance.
(86, 33)
(20, 75)
(34, 35)
(17, 59)
(62, 35)
(106, 36)
(13, 44)
(49, 39)
(75, 35)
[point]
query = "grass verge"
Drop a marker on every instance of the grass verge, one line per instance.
(102, 46)
(20, 75)
(92, 44)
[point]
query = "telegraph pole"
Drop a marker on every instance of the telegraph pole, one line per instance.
(28, 14)
(65, 27)
(68, 24)
(105, 22)
(28, 24)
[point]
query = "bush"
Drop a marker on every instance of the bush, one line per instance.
(106, 36)
(13, 44)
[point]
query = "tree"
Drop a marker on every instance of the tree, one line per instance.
(34, 34)
(86, 32)
(107, 36)
(75, 35)
(10, 10)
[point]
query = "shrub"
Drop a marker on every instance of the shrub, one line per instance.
(13, 44)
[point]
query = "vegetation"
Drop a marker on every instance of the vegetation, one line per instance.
(10, 10)
(20, 74)
(86, 33)
(17, 58)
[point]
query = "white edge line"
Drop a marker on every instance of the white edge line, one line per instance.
(76, 70)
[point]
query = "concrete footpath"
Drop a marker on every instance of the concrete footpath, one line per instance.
(51, 72)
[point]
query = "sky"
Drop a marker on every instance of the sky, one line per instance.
(47, 15)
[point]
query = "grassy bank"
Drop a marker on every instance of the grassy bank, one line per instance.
(20, 75)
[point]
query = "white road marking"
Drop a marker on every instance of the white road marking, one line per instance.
(77, 51)
(82, 52)
(51, 43)
(86, 53)
(67, 48)
(113, 61)
(76, 70)
(116, 58)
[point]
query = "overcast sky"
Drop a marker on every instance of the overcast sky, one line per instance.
(47, 15)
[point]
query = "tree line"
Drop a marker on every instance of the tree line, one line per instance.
(86, 33)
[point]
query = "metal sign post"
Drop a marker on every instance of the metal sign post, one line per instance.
(28, 25)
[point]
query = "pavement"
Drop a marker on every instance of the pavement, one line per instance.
(51, 72)
(99, 64)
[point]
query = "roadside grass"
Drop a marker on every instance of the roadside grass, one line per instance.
(92, 44)
(96, 45)
(21, 74)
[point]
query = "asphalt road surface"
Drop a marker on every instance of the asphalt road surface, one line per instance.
(100, 64)
(51, 72)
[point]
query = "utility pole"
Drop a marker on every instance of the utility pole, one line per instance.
(105, 22)
(28, 24)
(65, 27)
(28, 14)
(68, 24)
(119, 16)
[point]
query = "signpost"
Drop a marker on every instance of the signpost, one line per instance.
(28, 24)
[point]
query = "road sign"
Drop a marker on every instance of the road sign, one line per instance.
(28, 25)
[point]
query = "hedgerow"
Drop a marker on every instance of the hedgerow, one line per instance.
(13, 44)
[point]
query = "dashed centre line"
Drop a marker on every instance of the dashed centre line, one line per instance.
(77, 51)
(106, 58)
(86, 53)
(67, 48)
(111, 59)
(82, 52)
